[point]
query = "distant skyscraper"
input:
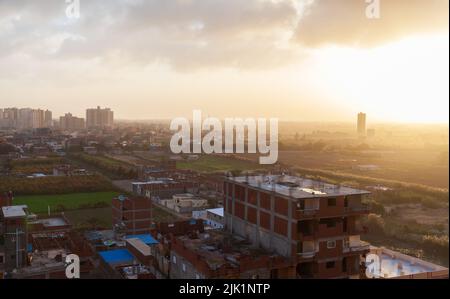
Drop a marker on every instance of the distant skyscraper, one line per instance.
(361, 124)
(48, 119)
(33, 118)
(71, 123)
(99, 118)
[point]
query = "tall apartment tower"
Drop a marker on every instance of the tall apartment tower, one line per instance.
(99, 118)
(314, 224)
(48, 119)
(69, 122)
(361, 127)
(10, 117)
(34, 118)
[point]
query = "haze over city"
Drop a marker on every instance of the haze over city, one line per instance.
(162, 59)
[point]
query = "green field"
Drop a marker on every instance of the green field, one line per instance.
(39, 203)
(215, 163)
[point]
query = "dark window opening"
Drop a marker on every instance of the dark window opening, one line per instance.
(331, 202)
(305, 228)
(305, 270)
(344, 264)
(330, 222)
(330, 265)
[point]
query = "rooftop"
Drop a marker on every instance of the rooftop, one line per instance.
(119, 256)
(14, 211)
(140, 246)
(218, 248)
(146, 239)
(217, 211)
(156, 182)
(52, 222)
(395, 264)
(296, 187)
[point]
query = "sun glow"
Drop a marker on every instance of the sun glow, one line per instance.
(402, 81)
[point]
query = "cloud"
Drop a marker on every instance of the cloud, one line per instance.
(186, 34)
(345, 22)
(201, 34)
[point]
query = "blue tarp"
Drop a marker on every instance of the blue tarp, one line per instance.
(146, 239)
(119, 256)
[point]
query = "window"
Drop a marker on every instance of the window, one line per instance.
(330, 265)
(331, 244)
(174, 259)
(344, 264)
(331, 202)
(183, 267)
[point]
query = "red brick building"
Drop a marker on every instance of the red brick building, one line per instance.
(6, 199)
(220, 255)
(132, 216)
(314, 224)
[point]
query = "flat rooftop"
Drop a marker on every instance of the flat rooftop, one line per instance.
(118, 256)
(216, 211)
(296, 187)
(395, 264)
(140, 246)
(14, 211)
(145, 238)
(52, 222)
(210, 247)
(156, 182)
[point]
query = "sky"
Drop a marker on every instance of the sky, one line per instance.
(304, 60)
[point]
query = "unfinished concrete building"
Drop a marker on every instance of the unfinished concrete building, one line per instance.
(314, 224)
(220, 255)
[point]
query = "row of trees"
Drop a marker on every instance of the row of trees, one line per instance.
(113, 168)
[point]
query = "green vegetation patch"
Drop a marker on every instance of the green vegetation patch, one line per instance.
(39, 203)
(55, 184)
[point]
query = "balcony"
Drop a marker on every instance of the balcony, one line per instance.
(305, 236)
(358, 209)
(307, 213)
(306, 255)
(325, 231)
(363, 246)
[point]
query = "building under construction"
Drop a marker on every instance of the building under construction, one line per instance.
(314, 224)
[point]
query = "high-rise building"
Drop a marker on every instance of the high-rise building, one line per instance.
(69, 122)
(48, 119)
(314, 224)
(9, 117)
(33, 118)
(361, 127)
(99, 118)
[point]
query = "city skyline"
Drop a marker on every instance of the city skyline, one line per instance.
(192, 55)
